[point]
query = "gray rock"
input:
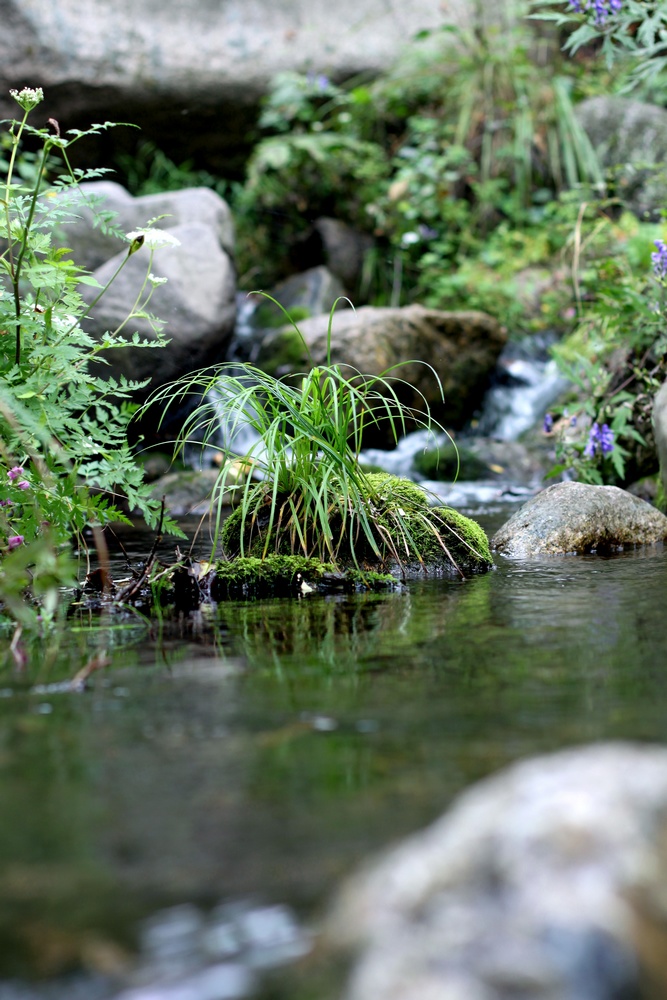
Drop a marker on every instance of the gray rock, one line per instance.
(187, 492)
(575, 518)
(343, 249)
(461, 347)
(192, 74)
(313, 291)
(91, 246)
(548, 882)
(630, 138)
(197, 305)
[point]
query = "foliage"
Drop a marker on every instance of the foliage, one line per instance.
(622, 29)
(313, 498)
(617, 355)
(467, 134)
(149, 171)
(64, 456)
(317, 159)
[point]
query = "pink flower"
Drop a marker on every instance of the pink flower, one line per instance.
(14, 542)
(15, 472)
(23, 485)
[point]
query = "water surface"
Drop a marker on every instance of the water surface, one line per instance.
(253, 754)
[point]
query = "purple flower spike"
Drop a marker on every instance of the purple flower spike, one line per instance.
(606, 439)
(14, 541)
(601, 9)
(548, 424)
(659, 259)
(591, 444)
(601, 438)
(15, 472)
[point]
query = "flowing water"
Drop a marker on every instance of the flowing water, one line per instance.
(172, 829)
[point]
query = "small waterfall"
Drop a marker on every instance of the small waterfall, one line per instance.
(526, 383)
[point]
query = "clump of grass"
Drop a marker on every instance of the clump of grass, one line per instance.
(312, 498)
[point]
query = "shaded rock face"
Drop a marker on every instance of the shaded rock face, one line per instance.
(577, 518)
(632, 137)
(546, 882)
(461, 347)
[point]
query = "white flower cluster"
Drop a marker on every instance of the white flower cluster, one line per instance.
(154, 239)
(155, 281)
(28, 98)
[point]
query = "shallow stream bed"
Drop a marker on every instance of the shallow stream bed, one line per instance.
(239, 763)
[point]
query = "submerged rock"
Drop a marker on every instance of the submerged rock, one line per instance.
(579, 518)
(548, 881)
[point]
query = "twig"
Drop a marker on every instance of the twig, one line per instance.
(128, 592)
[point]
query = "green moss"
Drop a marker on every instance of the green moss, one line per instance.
(447, 463)
(283, 576)
(282, 351)
(270, 316)
(430, 528)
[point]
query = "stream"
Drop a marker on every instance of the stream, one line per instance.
(174, 829)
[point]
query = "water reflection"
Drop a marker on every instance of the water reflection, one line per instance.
(258, 751)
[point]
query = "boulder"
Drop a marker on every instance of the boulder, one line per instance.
(570, 518)
(630, 138)
(192, 75)
(461, 348)
(92, 246)
(308, 293)
(547, 882)
(197, 305)
(342, 248)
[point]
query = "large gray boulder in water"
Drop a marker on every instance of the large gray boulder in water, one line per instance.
(570, 518)
(546, 882)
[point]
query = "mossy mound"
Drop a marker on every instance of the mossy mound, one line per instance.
(412, 538)
(441, 535)
(287, 576)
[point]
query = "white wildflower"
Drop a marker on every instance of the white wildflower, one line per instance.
(28, 98)
(155, 281)
(154, 239)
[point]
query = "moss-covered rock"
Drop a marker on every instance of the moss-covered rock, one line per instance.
(287, 576)
(410, 536)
